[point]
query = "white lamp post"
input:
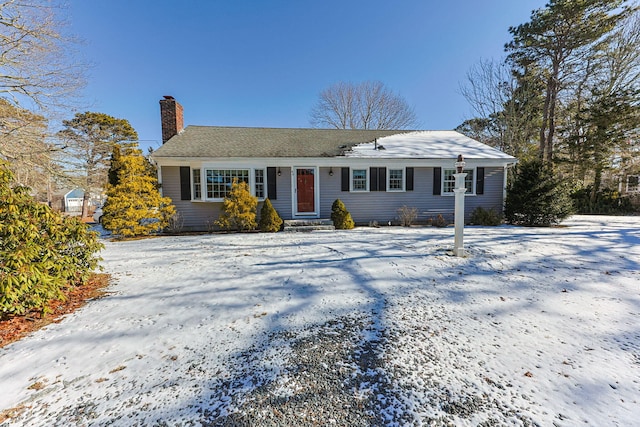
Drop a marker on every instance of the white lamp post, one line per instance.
(459, 190)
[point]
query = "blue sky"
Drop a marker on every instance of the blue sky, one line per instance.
(263, 63)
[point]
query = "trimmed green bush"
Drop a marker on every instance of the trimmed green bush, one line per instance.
(606, 201)
(481, 216)
(238, 209)
(535, 197)
(41, 251)
(340, 216)
(270, 221)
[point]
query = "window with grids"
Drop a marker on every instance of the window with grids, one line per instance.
(197, 184)
(259, 184)
(396, 179)
(449, 181)
(219, 181)
(359, 180)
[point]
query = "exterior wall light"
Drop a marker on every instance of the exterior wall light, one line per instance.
(330, 171)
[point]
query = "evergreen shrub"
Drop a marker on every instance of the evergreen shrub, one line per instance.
(134, 206)
(340, 216)
(238, 209)
(606, 201)
(535, 197)
(481, 216)
(41, 252)
(270, 221)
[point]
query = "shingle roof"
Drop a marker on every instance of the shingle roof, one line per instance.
(427, 144)
(215, 141)
(239, 142)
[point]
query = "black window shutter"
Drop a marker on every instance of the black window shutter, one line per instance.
(345, 179)
(271, 183)
(437, 177)
(185, 183)
(373, 179)
(409, 184)
(382, 179)
(480, 181)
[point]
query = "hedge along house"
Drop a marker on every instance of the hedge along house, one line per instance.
(303, 171)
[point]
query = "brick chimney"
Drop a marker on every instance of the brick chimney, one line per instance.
(171, 116)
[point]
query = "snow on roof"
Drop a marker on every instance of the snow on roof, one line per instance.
(426, 145)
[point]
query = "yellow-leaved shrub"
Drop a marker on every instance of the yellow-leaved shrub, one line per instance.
(134, 206)
(238, 209)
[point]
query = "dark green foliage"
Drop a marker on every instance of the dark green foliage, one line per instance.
(115, 165)
(41, 252)
(606, 201)
(536, 197)
(270, 221)
(340, 216)
(481, 216)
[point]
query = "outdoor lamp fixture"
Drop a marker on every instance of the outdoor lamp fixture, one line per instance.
(279, 172)
(460, 164)
(330, 171)
(459, 190)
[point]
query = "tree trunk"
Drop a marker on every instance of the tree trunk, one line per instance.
(545, 121)
(85, 204)
(552, 92)
(597, 180)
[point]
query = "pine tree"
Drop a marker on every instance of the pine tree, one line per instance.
(340, 216)
(134, 206)
(535, 197)
(270, 221)
(115, 164)
(238, 209)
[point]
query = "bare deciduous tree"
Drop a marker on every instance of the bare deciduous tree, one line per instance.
(23, 144)
(37, 68)
(503, 105)
(368, 105)
(39, 79)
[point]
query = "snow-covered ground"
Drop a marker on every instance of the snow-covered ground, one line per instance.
(535, 326)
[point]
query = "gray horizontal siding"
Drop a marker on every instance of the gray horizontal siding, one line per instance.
(493, 192)
(383, 206)
(197, 216)
(364, 207)
(283, 189)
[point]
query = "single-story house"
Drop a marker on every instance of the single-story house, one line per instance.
(73, 200)
(303, 171)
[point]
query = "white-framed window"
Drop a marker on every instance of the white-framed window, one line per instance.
(396, 179)
(359, 180)
(449, 181)
(197, 184)
(259, 183)
(219, 181)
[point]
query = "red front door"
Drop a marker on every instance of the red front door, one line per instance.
(305, 182)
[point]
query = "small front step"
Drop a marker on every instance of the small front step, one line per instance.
(308, 224)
